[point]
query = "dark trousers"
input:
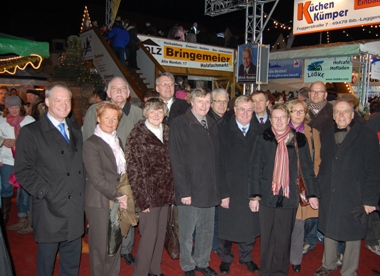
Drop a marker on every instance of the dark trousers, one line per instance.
(70, 252)
(152, 229)
(373, 234)
(132, 55)
(120, 54)
(226, 255)
(100, 263)
(276, 225)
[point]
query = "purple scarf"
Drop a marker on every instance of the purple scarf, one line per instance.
(300, 128)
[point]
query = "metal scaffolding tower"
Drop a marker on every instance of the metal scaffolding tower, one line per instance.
(255, 20)
(108, 12)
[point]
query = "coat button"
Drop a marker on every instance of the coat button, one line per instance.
(333, 190)
(69, 197)
(80, 172)
(333, 174)
(336, 157)
(63, 152)
(68, 174)
(118, 179)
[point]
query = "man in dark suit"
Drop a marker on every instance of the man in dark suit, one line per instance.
(261, 112)
(49, 166)
(236, 222)
(247, 70)
(165, 87)
(349, 184)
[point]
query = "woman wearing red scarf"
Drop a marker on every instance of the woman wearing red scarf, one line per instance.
(273, 190)
(10, 124)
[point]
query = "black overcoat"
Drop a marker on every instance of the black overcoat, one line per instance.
(262, 166)
(348, 177)
(237, 223)
(194, 155)
(51, 170)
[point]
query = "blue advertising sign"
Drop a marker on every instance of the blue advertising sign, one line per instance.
(285, 69)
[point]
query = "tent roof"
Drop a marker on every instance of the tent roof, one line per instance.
(22, 47)
(353, 48)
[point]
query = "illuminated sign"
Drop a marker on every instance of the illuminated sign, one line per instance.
(318, 15)
(170, 52)
(337, 69)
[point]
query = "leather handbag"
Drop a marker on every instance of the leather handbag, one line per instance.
(171, 239)
(300, 181)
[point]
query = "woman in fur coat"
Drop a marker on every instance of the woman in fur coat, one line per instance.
(151, 179)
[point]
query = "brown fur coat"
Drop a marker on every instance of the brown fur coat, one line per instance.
(148, 167)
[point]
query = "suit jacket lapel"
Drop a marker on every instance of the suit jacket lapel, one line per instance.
(350, 137)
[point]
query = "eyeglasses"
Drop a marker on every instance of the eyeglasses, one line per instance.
(317, 92)
(243, 110)
(220, 102)
(298, 111)
(167, 84)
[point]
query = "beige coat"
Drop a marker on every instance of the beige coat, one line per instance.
(306, 211)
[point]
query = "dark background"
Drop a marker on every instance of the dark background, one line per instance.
(45, 20)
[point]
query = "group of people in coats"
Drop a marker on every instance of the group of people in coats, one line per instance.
(247, 166)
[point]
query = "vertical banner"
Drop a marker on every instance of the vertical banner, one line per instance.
(375, 69)
(247, 63)
(115, 8)
(263, 64)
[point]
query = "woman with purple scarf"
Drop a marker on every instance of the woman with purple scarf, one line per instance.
(10, 124)
(299, 117)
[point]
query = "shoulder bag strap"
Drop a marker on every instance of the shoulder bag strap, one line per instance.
(298, 156)
(312, 144)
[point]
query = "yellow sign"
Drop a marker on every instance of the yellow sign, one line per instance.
(195, 55)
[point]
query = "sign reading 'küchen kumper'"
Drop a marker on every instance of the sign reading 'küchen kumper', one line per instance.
(312, 16)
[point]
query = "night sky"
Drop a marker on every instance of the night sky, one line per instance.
(43, 20)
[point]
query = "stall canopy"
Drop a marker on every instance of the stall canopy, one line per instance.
(17, 53)
(354, 48)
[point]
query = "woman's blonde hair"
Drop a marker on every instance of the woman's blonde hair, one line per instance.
(101, 108)
(292, 103)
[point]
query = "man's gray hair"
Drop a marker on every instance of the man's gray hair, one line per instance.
(117, 77)
(165, 74)
(219, 90)
(343, 100)
(53, 85)
(199, 92)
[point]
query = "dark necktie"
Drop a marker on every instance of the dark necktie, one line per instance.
(262, 120)
(203, 122)
(63, 132)
(243, 130)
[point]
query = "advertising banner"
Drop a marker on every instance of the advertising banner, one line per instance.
(170, 52)
(247, 63)
(312, 16)
(284, 69)
(375, 69)
(337, 69)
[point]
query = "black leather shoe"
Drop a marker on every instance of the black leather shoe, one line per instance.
(190, 273)
(129, 259)
(296, 268)
(207, 271)
(224, 268)
(251, 266)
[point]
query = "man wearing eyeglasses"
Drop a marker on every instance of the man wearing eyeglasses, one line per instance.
(219, 106)
(236, 221)
(165, 87)
(320, 110)
(321, 118)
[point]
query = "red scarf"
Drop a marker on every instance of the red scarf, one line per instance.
(15, 122)
(281, 177)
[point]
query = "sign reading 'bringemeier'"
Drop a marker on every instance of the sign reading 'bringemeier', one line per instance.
(170, 52)
(324, 15)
